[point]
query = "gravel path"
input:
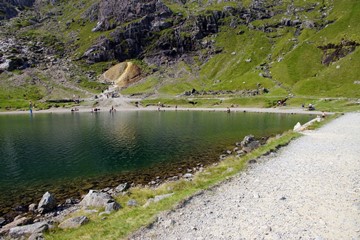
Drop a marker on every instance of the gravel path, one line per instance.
(308, 190)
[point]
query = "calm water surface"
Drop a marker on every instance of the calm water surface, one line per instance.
(70, 153)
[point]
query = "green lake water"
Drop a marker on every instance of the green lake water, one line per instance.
(70, 153)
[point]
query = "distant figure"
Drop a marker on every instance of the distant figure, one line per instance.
(30, 107)
(323, 115)
(175, 107)
(311, 107)
(112, 110)
(228, 110)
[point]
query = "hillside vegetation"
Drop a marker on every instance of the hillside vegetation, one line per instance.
(249, 52)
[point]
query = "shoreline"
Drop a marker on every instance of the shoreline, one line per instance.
(282, 110)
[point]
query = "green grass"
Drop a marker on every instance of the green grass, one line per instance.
(120, 224)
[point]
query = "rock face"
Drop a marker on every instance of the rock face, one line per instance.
(47, 203)
(11, 8)
(123, 74)
(74, 222)
(153, 31)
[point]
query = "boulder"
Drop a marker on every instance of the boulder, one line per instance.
(47, 203)
(247, 139)
(19, 231)
(111, 207)
(122, 187)
(297, 127)
(251, 146)
(74, 222)
(249, 143)
(96, 199)
(2, 221)
(18, 222)
(32, 207)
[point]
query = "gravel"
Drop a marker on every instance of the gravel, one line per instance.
(309, 190)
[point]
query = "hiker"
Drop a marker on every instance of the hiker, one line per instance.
(30, 107)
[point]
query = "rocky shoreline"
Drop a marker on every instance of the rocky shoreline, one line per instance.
(48, 213)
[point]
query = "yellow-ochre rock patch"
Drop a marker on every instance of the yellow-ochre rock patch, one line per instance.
(123, 74)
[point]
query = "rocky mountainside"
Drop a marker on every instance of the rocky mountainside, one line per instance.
(54, 49)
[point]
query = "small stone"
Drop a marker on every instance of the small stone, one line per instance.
(32, 207)
(132, 203)
(113, 206)
(283, 198)
(188, 175)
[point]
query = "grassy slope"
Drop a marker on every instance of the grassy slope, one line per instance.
(300, 70)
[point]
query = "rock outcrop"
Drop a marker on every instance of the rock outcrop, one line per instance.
(11, 8)
(123, 74)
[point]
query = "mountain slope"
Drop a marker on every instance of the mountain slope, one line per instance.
(237, 49)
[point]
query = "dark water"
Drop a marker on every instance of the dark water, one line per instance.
(70, 153)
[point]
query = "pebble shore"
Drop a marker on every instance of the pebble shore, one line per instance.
(308, 190)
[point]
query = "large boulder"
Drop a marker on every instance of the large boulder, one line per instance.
(96, 199)
(17, 222)
(249, 143)
(47, 203)
(74, 222)
(17, 232)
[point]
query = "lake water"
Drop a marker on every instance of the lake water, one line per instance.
(70, 153)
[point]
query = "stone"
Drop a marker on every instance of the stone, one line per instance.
(15, 223)
(36, 236)
(252, 161)
(132, 203)
(96, 199)
(157, 199)
(2, 221)
(161, 197)
(47, 203)
(32, 207)
(113, 206)
(251, 146)
(74, 222)
(19, 231)
(297, 127)
(188, 175)
(247, 139)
